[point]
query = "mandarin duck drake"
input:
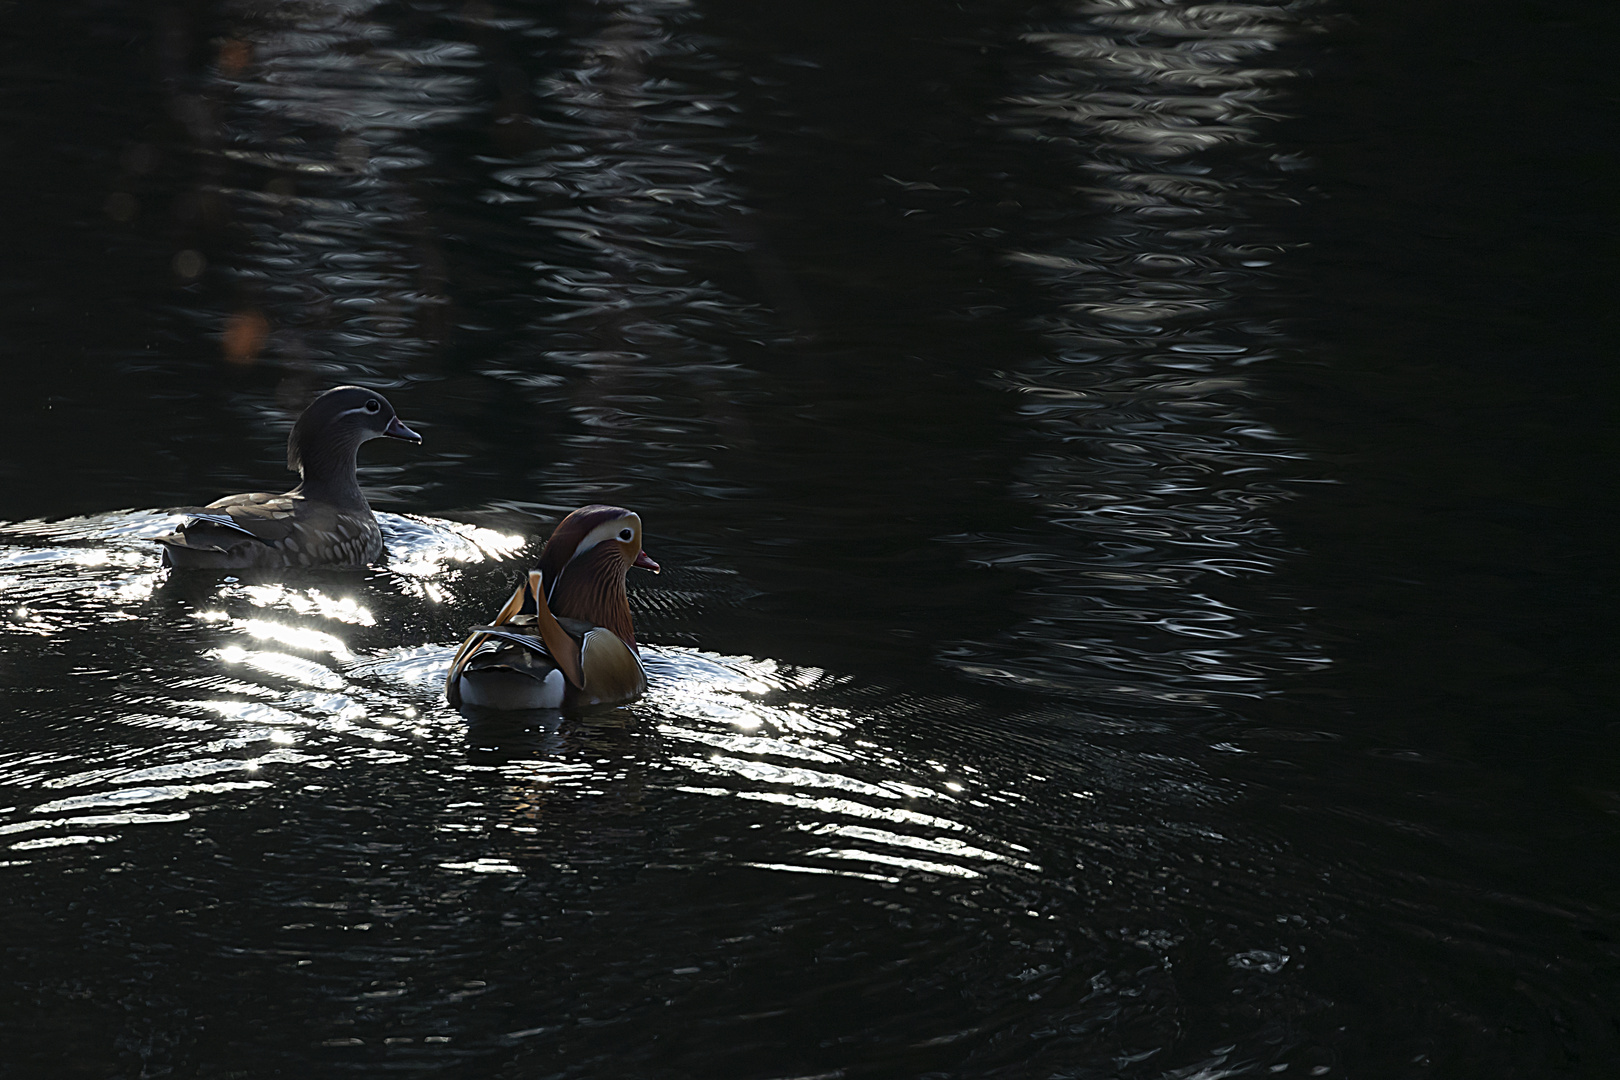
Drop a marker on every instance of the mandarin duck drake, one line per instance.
(565, 637)
(324, 521)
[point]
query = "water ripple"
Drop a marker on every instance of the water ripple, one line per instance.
(1155, 473)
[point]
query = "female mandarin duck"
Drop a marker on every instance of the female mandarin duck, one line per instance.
(324, 521)
(565, 637)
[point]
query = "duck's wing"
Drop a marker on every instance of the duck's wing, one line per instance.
(544, 635)
(452, 677)
(565, 649)
(515, 637)
(227, 523)
(609, 669)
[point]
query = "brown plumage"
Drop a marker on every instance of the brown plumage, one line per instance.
(565, 637)
(324, 521)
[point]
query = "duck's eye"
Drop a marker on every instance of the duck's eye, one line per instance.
(373, 405)
(626, 535)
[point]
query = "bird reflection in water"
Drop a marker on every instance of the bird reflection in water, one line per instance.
(503, 736)
(495, 736)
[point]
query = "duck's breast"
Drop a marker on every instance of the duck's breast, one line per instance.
(613, 672)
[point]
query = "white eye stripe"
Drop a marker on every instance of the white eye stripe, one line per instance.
(609, 530)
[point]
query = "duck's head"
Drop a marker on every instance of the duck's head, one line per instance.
(336, 423)
(585, 562)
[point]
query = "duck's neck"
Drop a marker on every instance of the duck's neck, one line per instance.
(329, 474)
(591, 588)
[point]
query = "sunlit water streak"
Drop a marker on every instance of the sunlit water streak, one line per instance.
(1155, 472)
(276, 683)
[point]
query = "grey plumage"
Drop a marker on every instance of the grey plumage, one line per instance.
(324, 521)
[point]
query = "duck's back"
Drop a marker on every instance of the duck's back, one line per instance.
(263, 530)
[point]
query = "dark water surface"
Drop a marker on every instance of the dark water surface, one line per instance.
(1135, 481)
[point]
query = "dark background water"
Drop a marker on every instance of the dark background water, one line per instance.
(1135, 482)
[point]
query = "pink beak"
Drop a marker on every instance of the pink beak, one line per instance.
(645, 561)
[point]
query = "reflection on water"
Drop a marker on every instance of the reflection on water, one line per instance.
(299, 702)
(271, 681)
(601, 183)
(218, 676)
(304, 132)
(1154, 473)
